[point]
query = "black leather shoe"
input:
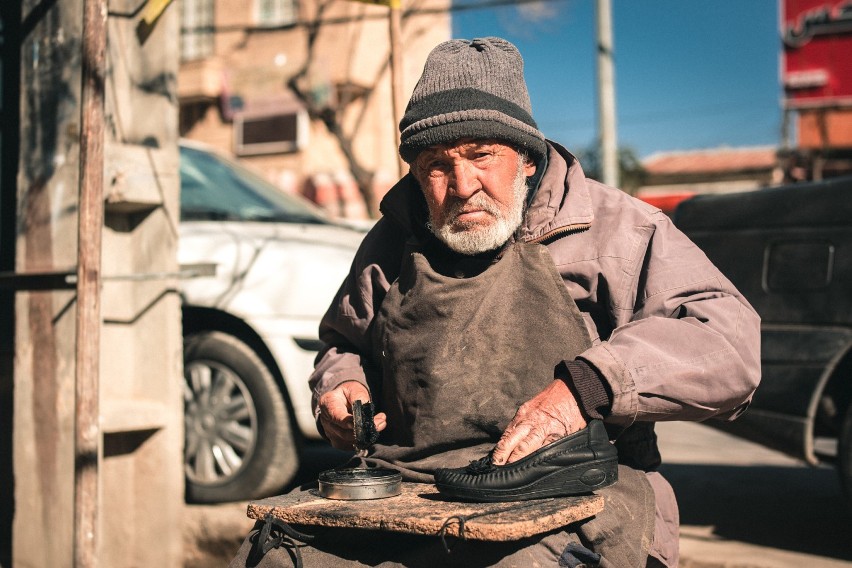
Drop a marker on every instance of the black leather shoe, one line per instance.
(574, 465)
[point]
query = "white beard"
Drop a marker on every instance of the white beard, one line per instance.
(474, 238)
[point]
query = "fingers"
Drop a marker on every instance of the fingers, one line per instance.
(338, 430)
(338, 435)
(353, 391)
(522, 440)
(341, 435)
(547, 417)
(336, 414)
(507, 444)
(381, 421)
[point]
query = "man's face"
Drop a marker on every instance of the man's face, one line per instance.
(475, 190)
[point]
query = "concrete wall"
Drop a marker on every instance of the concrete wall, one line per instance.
(141, 409)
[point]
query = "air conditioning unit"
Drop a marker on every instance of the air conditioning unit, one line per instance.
(270, 133)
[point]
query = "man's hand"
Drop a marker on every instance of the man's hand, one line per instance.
(336, 414)
(550, 415)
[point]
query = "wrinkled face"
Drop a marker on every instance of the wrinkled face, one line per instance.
(475, 190)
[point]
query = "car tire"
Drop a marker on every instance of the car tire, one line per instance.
(239, 442)
(844, 463)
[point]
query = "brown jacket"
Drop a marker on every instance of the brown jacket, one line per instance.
(671, 335)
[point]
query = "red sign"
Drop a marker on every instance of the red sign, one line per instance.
(817, 62)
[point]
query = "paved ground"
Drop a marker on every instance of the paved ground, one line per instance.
(742, 506)
(745, 506)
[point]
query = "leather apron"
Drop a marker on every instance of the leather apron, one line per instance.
(458, 356)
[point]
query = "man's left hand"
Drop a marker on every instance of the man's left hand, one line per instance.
(550, 415)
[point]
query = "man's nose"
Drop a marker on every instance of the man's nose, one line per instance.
(464, 182)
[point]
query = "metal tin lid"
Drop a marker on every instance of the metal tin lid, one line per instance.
(360, 483)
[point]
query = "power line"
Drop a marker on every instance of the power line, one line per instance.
(664, 115)
(463, 7)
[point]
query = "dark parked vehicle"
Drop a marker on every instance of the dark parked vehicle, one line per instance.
(789, 251)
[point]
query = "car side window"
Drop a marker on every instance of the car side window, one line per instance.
(798, 266)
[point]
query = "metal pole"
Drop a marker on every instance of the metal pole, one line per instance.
(395, 18)
(606, 95)
(87, 434)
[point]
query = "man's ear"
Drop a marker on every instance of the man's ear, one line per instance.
(529, 167)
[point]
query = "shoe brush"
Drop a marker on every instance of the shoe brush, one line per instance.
(365, 428)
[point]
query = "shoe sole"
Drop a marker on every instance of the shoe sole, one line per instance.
(578, 479)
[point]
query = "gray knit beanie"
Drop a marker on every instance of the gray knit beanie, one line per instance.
(471, 89)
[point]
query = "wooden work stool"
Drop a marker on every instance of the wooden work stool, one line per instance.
(420, 509)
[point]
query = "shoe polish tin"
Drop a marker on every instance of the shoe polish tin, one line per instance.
(360, 483)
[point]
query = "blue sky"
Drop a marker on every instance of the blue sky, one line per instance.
(689, 74)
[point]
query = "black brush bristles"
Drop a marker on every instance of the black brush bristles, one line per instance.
(365, 428)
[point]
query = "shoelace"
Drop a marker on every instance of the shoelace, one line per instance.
(482, 465)
(277, 534)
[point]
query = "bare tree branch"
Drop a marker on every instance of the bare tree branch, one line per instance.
(331, 116)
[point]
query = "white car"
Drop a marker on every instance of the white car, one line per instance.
(251, 330)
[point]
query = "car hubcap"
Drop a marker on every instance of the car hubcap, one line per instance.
(221, 423)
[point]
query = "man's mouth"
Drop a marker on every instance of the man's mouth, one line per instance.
(472, 214)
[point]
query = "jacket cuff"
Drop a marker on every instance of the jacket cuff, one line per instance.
(589, 387)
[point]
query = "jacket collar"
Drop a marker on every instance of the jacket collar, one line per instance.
(561, 204)
(404, 204)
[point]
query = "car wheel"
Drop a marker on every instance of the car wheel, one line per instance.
(239, 443)
(845, 453)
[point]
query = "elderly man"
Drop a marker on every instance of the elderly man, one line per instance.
(505, 302)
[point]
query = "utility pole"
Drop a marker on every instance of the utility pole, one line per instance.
(606, 95)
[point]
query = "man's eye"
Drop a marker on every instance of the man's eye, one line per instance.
(436, 165)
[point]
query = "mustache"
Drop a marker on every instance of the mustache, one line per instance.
(478, 202)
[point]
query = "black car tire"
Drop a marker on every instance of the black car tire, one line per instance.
(239, 443)
(845, 454)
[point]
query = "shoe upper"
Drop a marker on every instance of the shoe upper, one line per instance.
(591, 444)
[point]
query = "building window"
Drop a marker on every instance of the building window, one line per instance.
(272, 13)
(196, 32)
(273, 132)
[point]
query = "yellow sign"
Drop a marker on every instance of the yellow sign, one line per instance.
(153, 10)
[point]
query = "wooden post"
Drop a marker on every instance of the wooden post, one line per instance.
(87, 434)
(397, 85)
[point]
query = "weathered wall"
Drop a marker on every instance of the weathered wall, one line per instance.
(44, 335)
(354, 54)
(140, 404)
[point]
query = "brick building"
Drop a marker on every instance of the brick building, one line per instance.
(817, 77)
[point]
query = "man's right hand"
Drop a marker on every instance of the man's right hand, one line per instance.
(336, 414)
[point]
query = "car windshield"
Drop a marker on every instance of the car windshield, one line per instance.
(215, 188)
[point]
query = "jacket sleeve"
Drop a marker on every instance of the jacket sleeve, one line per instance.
(345, 327)
(690, 347)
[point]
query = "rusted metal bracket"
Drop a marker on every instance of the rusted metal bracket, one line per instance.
(67, 280)
(34, 281)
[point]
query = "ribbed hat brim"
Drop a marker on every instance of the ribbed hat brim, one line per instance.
(449, 132)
